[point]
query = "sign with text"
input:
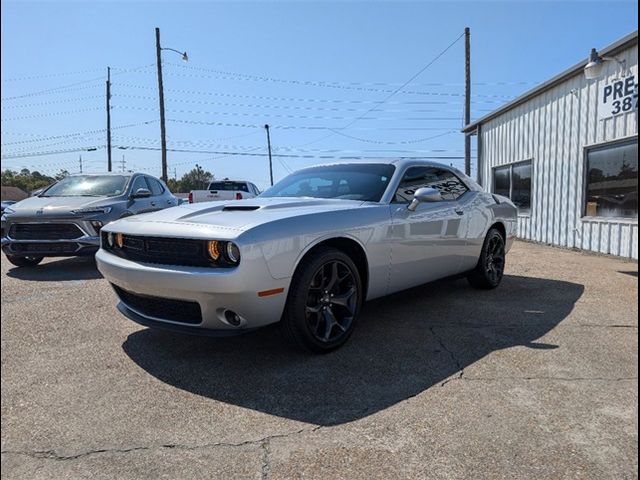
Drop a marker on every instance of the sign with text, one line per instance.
(618, 97)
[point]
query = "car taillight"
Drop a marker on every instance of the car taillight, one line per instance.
(190, 197)
(238, 196)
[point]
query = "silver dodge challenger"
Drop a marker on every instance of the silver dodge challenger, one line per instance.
(308, 251)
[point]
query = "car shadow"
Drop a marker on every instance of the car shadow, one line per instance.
(403, 345)
(63, 270)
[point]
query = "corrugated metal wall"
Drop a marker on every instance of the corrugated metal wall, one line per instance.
(552, 130)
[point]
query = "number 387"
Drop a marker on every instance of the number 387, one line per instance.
(625, 105)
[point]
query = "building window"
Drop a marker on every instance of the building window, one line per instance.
(514, 182)
(612, 180)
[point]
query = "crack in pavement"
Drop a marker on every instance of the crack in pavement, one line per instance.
(453, 357)
(262, 442)
(266, 468)
(563, 379)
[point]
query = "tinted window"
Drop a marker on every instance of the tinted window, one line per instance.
(155, 185)
(514, 182)
(612, 181)
(366, 182)
(88, 186)
(139, 183)
(502, 181)
(449, 186)
(227, 186)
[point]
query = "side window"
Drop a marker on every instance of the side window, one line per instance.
(138, 183)
(514, 181)
(155, 186)
(446, 182)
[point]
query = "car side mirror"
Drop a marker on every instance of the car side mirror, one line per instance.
(424, 194)
(141, 193)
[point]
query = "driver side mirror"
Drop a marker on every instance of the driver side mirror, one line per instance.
(141, 193)
(424, 194)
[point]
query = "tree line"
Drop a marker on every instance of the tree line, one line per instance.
(195, 179)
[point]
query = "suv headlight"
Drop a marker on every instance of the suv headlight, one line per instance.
(92, 210)
(8, 211)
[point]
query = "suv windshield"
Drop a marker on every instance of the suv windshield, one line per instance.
(363, 181)
(227, 186)
(88, 186)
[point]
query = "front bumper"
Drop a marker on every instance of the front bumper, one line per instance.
(86, 243)
(215, 290)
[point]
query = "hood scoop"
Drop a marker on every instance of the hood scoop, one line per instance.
(240, 208)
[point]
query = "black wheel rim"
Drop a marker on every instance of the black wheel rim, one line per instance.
(494, 260)
(332, 300)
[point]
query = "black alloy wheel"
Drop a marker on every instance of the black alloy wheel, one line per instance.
(323, 302)
(490, 268)
(331, 301)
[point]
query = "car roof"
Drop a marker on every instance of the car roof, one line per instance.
(398, 162)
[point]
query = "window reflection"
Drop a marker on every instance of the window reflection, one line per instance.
(612, 181)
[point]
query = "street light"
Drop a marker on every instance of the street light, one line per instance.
(593, 69)
(163, 138)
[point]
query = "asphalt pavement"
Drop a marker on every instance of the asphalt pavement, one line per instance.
(536, 379)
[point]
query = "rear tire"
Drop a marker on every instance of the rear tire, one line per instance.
(490, 268)
(324, 301)
(24, 261)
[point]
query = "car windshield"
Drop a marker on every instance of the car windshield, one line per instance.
(363, 181)
(88, 186)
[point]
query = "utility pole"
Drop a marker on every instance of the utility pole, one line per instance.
(123, 163)
(163, 138)
(108, 119)
(80, 163)
(467, 99)
(266, 127)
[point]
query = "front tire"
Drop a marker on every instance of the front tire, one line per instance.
(324, 301)
(490, 268)
(24, 261)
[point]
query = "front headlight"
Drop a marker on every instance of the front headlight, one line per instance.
(8, 211)
(92, 210)
(223, 252)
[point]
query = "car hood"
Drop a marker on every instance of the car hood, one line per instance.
(226, 218)
(58, 205)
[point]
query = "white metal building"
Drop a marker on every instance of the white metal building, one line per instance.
(566, 153)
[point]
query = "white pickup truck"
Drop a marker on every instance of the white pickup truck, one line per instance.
(224, 190)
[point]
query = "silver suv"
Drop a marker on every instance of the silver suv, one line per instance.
(65, 219)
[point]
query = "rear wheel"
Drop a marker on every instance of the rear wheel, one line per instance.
(490, 269)
(20, 261)
(324, 301)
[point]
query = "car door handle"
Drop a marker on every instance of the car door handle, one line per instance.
(459, 211)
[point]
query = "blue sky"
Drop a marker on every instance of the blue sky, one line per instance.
(302, 67)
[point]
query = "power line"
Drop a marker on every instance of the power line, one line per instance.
(313, 83)
(83, 82)
(373, 84)
(54, 152)
(252, 154)
(51, 114)
(416, 75)
(76, 134)
(300, 99)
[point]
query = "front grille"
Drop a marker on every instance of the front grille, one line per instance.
(163, 308)
(45, 231)
(167, 251)
(44, 247)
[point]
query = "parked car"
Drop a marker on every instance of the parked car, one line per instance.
(308, 251)
(224, 190)
(65, 219)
